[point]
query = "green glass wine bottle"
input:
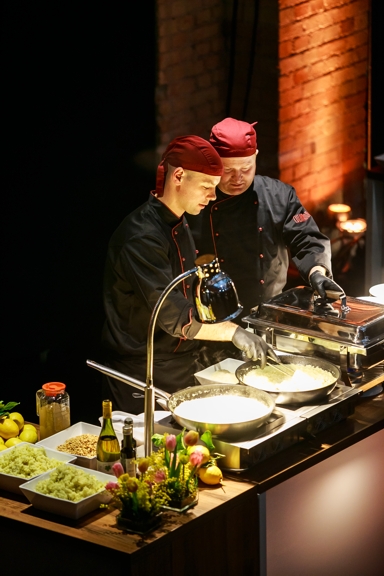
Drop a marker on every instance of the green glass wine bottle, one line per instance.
(108, 448)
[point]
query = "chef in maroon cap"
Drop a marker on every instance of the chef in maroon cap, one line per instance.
(253, 222)
(148, 250)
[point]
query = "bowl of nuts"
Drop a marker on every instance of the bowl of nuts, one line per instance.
(79, 440)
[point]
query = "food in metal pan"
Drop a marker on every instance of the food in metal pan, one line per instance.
(70, 483)
(226, 409)
(82, 445)
(304, 377)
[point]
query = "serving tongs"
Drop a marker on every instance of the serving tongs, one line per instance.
(287, 371)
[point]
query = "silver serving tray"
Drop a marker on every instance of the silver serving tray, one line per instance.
(297, 309)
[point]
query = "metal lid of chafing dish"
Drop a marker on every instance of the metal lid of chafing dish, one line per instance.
(298, 309)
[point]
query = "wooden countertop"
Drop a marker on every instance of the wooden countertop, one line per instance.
(209, 519)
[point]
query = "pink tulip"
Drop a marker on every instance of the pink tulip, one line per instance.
(191, 438)
(196, 458)
(117, 469)
(159, 476)
(111, 486)
(170, 442)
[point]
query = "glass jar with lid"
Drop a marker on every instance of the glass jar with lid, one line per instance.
(52, 406)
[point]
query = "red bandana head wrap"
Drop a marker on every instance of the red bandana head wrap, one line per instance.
(191, 153)
(233, 138)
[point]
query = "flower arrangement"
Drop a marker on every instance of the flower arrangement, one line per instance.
(139, 499)
(180, 465)
(168, 478)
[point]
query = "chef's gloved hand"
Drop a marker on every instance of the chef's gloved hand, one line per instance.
(254, 347)
(321, 284)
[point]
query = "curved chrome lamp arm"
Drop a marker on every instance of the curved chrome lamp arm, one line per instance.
(149, 394)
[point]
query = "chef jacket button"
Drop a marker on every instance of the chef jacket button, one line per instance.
(261, 281)
(175, 232)
(261, 255)
(216, 208)
(187, 286)
(260, 229)
(217, 234)
(256, 202)
(221, 259)
(196, 251)
(183, 259)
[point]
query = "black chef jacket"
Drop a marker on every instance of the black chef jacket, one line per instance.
(250, 234)
(146, 252)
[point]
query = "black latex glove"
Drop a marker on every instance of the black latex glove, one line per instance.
(253, 346)
(321, 284)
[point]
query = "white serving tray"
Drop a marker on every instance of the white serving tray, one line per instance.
(12, 483)
(230, 364)
(75, 430)
(63, 507)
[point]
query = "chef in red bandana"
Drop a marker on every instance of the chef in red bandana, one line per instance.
(148, 250)
(255, 220)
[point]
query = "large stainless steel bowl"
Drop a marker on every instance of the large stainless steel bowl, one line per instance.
(235, 432)
(300, 397)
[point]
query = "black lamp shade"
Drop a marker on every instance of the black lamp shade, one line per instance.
(215, 295)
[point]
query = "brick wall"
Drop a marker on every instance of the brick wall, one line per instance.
(191, 83)
(323, 51)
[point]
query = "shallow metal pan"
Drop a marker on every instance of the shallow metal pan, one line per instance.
(302, 396)
(233, 432)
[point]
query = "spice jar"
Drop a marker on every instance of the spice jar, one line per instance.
(52, 406)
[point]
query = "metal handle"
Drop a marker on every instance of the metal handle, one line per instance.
(127, 379)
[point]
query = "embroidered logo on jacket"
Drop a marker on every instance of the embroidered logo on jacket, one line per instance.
(301, 217)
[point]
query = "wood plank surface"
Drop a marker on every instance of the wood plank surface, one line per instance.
(221, 535)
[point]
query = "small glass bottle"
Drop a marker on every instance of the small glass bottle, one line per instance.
(52, 407)
(108, 448)
(128, 448)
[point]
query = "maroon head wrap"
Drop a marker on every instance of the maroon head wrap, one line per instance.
(191, 153)
(234, 138)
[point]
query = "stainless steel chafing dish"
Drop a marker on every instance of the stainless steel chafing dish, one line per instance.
(352, 336)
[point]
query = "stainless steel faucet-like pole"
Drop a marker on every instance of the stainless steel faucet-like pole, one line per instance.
(149, 397)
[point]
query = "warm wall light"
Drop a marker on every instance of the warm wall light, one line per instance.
(339, 212)
(353, 227)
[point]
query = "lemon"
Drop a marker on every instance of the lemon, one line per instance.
(1, 441)
(29, 427)
(2, 447)
(8, 428)
(28, 434)
(12, 441)
(211, 475)
(17, 417)
(203, 449)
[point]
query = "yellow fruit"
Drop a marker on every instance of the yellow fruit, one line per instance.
(29, 427)
(203, 449)
(12, 441)
(8, 428)
(29, 435)
(2, 447)
(1, 441)
(211, 475)
(17, 417)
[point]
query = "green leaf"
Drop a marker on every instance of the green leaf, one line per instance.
(158, 440)
(179, 441)
(5, 409)
(207, 439)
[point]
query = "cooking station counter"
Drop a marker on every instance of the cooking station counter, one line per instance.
(327, 487)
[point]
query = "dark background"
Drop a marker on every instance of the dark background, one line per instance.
(79, 123)
(79, 110)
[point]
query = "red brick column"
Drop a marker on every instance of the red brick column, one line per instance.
(323, 52)
(191, 85)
